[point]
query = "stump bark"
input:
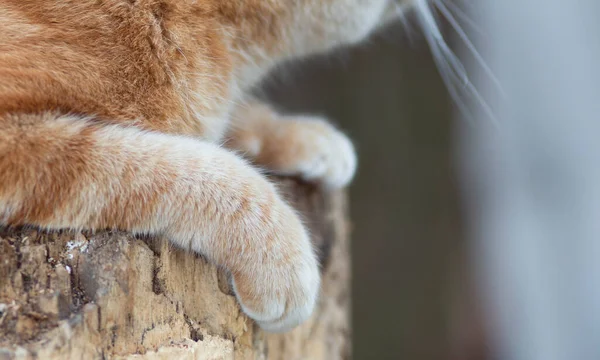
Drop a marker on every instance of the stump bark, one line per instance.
(110, 295)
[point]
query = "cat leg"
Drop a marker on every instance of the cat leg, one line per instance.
(60, 171)
(305, 146)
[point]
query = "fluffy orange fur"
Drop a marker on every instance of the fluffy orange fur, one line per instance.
(111, 113)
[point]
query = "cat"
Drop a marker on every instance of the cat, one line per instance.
(114, 113)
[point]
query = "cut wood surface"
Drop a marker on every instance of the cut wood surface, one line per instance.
(110, 295)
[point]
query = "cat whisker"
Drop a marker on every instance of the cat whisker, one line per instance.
(401, 10)
(441, 6)
(463, 16)
(452, 70)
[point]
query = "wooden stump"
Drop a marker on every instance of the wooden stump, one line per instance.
(109, 295)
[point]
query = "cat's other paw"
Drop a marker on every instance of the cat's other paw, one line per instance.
(317, 151)
(279, 289)
(307, 147)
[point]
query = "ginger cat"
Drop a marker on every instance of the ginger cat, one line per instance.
(112, 113)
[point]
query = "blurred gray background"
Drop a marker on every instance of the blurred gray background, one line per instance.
(409, 289)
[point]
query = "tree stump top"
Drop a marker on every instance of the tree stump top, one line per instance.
(71, 295)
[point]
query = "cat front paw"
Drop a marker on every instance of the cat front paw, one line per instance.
(279, 289)
(310, 148)
(325, 154)
(305, 146)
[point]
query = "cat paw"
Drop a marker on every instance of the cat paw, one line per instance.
(280, 289)
(304, 146)
(312, 149)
